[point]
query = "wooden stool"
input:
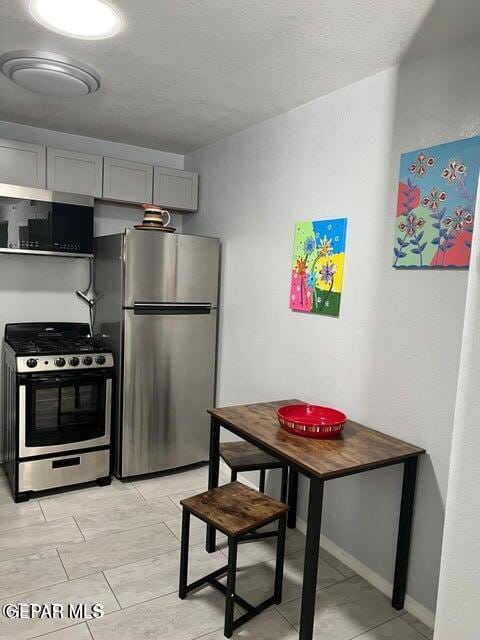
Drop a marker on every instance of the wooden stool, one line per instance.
(243, 456)
(236, 511)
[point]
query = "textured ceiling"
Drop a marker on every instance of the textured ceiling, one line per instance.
(184, 73)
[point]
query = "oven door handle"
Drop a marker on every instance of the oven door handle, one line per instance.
(69, 378)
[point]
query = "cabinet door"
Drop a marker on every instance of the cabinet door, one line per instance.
(74, 172)
(22, 163)
(127, 181)
(175, 189)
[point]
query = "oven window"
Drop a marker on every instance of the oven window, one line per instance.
(63, 412)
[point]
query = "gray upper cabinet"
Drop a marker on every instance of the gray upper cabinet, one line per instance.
(33, 165)
(22, 163)
(74, 172)
(127, 181)
(175, 189)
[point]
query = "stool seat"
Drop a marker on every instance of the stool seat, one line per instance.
(234, 509)
(243, 456)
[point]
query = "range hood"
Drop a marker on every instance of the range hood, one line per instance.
(44, 222)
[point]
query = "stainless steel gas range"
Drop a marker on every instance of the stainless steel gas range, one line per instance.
(57, 403)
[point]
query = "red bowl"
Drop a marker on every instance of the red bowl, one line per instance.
(311, 421)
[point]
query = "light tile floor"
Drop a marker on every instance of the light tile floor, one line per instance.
(119, 545)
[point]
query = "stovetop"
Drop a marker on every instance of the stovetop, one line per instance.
(57, 345)
(67, 346)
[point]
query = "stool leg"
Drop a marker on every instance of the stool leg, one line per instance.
(233, 476)
(283, 492)
(282, 525)
(231, 576)
(261, 486)
(182, 588)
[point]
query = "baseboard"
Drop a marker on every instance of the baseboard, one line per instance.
(411, 605)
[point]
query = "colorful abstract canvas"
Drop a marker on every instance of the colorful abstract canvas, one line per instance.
(437, 191)
(317, 269)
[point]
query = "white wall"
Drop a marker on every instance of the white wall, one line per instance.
(459, 591)
(115, 218)
(391, 359)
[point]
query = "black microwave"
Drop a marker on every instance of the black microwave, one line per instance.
(45, 222)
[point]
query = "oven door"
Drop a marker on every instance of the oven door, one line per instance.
(64, 413)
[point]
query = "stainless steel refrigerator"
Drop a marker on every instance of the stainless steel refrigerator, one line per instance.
(158, 307)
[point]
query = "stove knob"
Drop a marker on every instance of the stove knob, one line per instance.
(60, 362)
(74, 362)
(31, 363)
(87, 360)
(100, 359)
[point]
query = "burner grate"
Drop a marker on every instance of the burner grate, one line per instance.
(47, 346)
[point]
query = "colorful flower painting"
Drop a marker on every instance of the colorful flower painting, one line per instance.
(437, 191)
(317, 268)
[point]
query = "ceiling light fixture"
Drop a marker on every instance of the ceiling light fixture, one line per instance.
(51, 74)
(87, 19)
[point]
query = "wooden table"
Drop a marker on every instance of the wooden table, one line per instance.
(357, 449)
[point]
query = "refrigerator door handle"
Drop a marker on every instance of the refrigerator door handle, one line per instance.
(171, 308)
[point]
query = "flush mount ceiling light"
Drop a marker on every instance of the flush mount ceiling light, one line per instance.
(51, 74)
(88, 19)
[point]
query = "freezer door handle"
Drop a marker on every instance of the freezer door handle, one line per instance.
(171, 308)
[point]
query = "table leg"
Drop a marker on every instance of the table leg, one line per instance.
(312, 544)
(213, 471)
(292, 498)
(404, 532)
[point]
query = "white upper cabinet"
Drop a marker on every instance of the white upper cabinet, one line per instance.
(74, 172)
(127, 181)
(175, 189)
(22, 163)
